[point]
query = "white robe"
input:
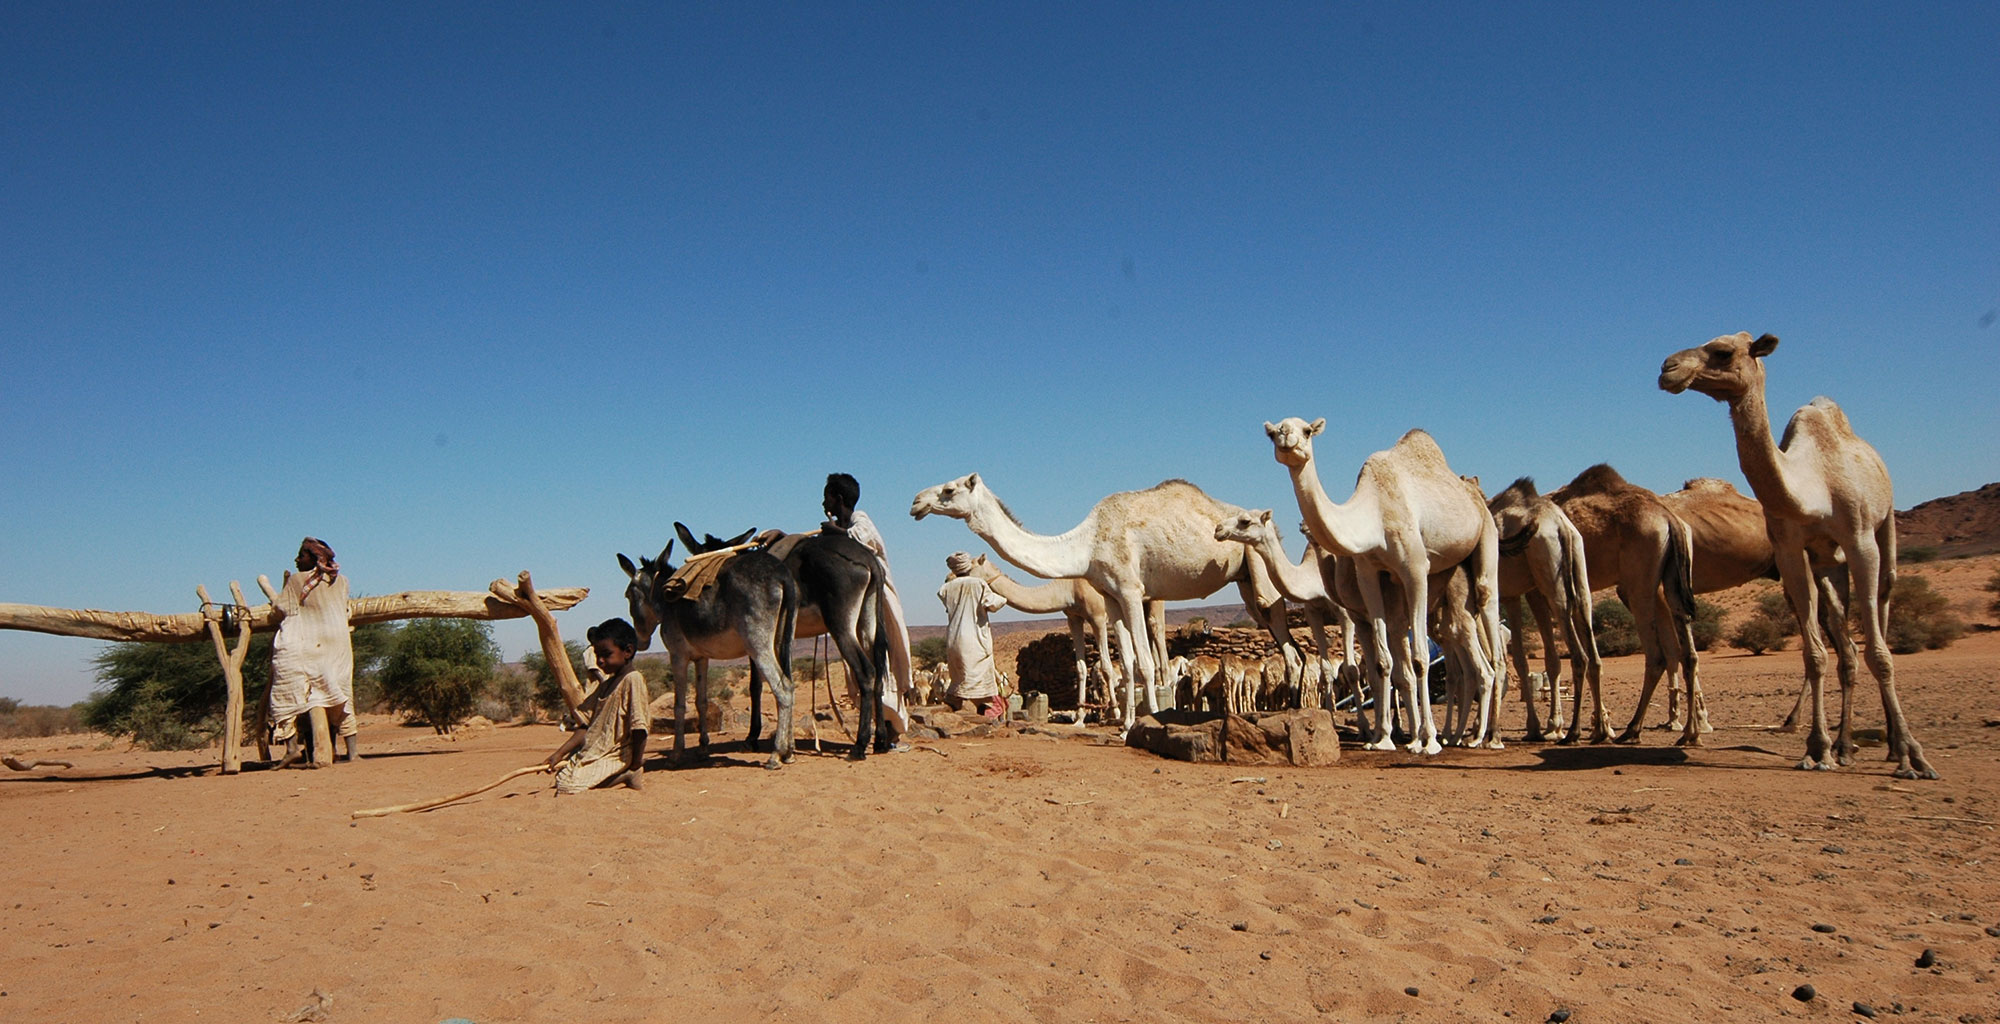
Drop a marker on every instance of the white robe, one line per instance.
(312, 657)
(898, 680)
(968, 640)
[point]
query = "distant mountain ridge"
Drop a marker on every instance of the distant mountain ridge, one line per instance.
(1962, 524)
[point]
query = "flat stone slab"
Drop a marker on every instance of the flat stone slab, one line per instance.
(1305, 737)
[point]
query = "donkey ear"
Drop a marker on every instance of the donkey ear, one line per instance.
(626, 564)
(665, 553)
(687, 539)
(1763, 346)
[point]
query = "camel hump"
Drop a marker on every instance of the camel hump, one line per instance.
(1822, 418)
(1598, 479)
(1709, 483)
(1417, 437)
(1523, 488)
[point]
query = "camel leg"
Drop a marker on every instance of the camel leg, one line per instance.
(1384, 663)
(1795, 571)
(1424, 738)
(1077, 646)
(1517, 652)
(1873, 568)
(1156, 637)
(1586, 669)
(1546, 620)
(1137, 656)
(1643, 600)
(1833, 622)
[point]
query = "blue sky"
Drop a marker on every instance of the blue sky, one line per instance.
(469, 289)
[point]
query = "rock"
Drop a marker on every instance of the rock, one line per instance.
(1411, 990)
(1683, 862)
(1559, 1016)
(1991, 929)
(1863, 1009)
(1927, 958)
(1280, 737)
(1804, 993)
(1824, 929)
(1833, 849)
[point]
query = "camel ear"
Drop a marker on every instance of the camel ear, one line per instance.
(1270, 429)
(972, 482)
(1264, 516)
(687, 539)
(626, 564)
(1764, 346)
(1317, 426)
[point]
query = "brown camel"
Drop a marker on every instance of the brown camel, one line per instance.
(1542, 561)
(1632, 541)
(1826, 493)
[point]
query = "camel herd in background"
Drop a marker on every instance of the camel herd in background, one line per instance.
(1418, 551)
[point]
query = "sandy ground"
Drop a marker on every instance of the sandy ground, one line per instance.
(1033, 878)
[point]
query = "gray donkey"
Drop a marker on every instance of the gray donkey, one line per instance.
(840, 594)
(750, 610)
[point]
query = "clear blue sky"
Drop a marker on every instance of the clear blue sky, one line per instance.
(475, 288)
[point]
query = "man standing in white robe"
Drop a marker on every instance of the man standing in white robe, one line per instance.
(312, 657)
(842, 494)
(968, 640)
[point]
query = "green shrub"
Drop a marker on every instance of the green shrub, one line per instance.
(1768, 626)
(1617, 632)
(1921, 619)
(35, 721)
(1992, 587)
(927, 653)
(1707, 624)
(1915, 555)
(545, 692)
(437, 669)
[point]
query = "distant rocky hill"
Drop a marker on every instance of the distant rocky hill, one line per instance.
(1959, 525)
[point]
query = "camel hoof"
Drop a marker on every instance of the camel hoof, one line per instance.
(1496, 744)
(1811, 765)
(772, 765)
(1534, 736)
(1786, 727)
(1628, 737)
(857, 755)
(1689, 739)
(1907, 772)
(1380, 745)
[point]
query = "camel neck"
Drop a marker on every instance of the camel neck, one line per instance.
(1349, 529)
(1763, 464)
(1299, 582)
(1053, 558)
(1049, 597)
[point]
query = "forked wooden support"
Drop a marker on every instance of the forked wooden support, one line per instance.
(232, 670)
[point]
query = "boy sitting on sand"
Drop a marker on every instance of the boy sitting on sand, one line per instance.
(612, 749)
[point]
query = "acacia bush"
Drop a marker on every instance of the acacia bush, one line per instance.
(437, 670)
(1617, 632)
(1920, 618)
(546, 692)
(1993, 587)
(34, 721)
(927, 653)
(1768, 627)
(1707, 624)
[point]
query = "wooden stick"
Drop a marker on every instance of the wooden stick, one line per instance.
(27, 766)
(191, 627)
(523, 593)
(540, 767)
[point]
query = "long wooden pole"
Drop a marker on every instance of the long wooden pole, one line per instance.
(146, 627)
(425, 805)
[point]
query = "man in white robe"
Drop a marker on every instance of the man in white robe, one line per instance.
(312, 657)
(968, 639)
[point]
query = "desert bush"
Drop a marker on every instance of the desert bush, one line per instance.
(1768, 626)
(1707, 624)
(544, 691)
(18, 721)
(1921, 619)
(1993, 587)
(437, 669)
(1617, 632)
(1919, 554)
(928, 652)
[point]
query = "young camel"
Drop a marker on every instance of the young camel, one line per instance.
(749, 610)
(1134, 546)
(1541, 560)
(1410, 517)
(1631, 540)
(1826, 493)
(1310, 583)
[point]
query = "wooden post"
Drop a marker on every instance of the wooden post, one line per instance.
(523, 595)
(232, 672)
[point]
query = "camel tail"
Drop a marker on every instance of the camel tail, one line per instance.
(1574, 572)
(1885, 540)
(1517, 542)
(1677, 575)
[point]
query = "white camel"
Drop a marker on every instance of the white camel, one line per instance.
(1825, 491)
(1410, 517)
(1133, 546)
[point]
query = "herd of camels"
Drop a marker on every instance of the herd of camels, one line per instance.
(1416, 552)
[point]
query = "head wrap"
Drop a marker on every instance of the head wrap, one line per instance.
(323, 561)
(959, 563)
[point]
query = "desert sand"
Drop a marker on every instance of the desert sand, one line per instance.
(1034, 877)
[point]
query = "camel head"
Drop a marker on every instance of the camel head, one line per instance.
(981, 568)
(649, 573)
(1291, 439)
(1245, 527)
(1725, 369)
(955, 499)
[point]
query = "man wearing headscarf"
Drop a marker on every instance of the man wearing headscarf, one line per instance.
(842, 494)
(312, 657)
(968, 640)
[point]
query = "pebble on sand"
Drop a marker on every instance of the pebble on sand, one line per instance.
(1927, 958)
(1804, 993)
(1863, 1009)
(1410, 991)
